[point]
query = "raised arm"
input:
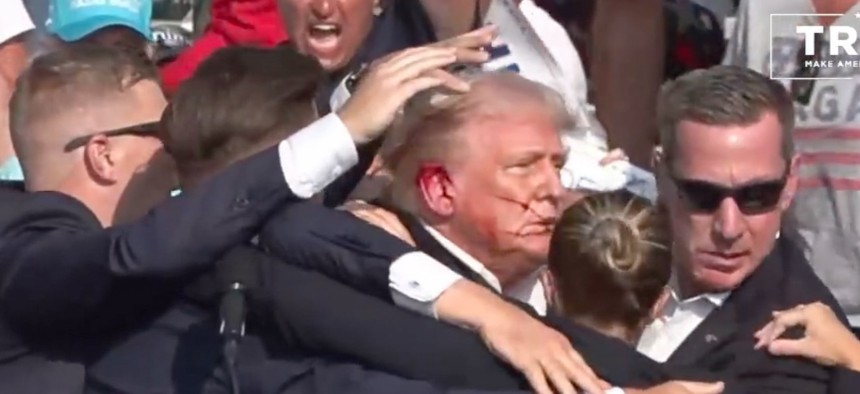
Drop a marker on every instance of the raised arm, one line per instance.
(58, 271)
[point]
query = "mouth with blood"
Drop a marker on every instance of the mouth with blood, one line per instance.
(324, 41)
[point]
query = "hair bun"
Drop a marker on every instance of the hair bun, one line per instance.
(618, 241)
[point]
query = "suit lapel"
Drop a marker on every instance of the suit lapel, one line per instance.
(428, 244)
(718, 328)
(738, 311)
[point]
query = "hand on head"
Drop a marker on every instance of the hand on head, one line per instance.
(826, 340)
(391, 81)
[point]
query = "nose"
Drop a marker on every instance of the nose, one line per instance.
(551, 188)
(729, 221)
(322, 9)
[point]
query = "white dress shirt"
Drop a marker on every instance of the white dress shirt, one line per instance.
(418, 280)
(676, 322)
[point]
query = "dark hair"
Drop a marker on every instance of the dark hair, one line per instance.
(240, 100)
(723, 96)
(610, 259)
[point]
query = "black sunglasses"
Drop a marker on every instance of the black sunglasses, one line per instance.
(149, 129)
(752, 199)
(804, 78)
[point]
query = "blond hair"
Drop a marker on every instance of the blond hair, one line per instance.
(431, 130)
(610, 259)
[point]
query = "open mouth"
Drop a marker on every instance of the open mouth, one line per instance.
(324, 38)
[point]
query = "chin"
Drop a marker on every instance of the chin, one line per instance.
(712, 281)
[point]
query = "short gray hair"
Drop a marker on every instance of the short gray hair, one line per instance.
(723, 96)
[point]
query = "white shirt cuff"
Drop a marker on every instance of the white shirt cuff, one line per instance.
(417, 280)
(315, 156)
(614, 390)
(14, 19)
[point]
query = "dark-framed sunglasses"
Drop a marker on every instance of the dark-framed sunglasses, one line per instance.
(803, 82)
(149, 129)
(752, 199)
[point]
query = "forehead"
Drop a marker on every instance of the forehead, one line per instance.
(527, 130)
(730, 154)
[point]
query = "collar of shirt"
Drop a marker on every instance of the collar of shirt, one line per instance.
(707, 300)
(530, 290)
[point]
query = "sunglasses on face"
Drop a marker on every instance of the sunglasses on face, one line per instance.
(752, 199)
(804, 78)
(149, 129)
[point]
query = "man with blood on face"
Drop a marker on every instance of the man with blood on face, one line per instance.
(482, 170)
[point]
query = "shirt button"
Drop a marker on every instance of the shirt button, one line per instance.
(414, 284)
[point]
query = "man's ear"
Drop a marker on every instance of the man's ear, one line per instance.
(790, 189)
(436, 189)
(100, 161)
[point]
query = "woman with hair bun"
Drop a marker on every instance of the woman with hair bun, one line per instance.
(610, 262)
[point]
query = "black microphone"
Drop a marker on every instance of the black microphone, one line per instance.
(235, 273)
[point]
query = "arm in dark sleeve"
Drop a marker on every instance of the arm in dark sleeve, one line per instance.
(335, 243)
(339, 191)
(59, 276)
(845, 381)
(319, 315)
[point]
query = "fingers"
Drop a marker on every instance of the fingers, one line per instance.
(769, 333)
(789, 347)
(782, 320)
(614, 155)
(411, 88)
(581, 373)
(559, 376)
(703, 388)
(537, 379)
(473, 39)
(449, 80)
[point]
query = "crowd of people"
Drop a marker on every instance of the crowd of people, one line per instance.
(325, 196)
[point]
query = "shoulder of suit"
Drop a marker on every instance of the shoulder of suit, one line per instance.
(43, 212)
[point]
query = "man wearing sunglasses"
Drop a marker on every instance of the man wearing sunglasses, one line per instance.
(726, 175)
(823, 217)
(93, 250)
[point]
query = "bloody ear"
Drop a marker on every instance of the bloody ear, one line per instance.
(436, 188)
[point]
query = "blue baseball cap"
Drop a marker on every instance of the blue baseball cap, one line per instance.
(72, 20)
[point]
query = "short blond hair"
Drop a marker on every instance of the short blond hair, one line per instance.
(432, 131)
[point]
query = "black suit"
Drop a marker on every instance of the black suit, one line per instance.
(844, 381)
(724, 341)
(358, 254)
(72, 286)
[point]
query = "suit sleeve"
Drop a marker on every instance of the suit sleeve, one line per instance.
(61, 275)
(357, 254)
(845, 381)
(311, 311)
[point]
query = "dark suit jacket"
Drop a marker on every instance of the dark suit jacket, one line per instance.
(724, 342)
(844, 382)
(180, 351)
(358, 254)
(69, 286)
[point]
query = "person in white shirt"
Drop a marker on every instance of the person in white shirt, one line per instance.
(476, 185)
(727, 174)
(14, 24)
